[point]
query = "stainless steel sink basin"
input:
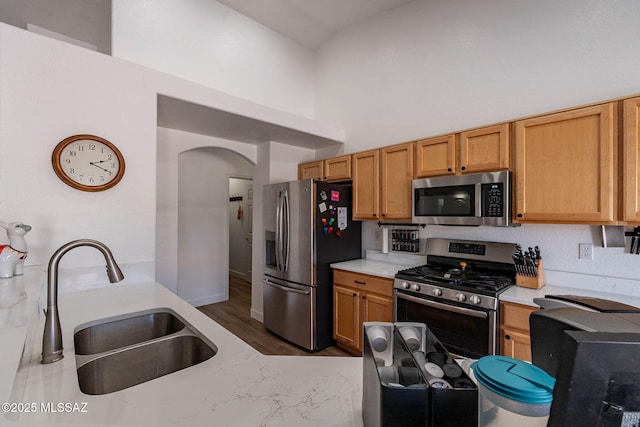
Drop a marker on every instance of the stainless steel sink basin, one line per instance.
(114, 333)
(119, 352)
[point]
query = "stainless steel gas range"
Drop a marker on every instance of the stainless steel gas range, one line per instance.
(456, 293)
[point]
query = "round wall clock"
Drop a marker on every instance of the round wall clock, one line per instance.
(88, 163)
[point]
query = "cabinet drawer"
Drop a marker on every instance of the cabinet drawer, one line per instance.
(363, 282)
(515, 315)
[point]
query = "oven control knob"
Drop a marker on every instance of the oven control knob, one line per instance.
(461, 297)
(437, 292)
(415, 287)
(405, 285)
(475, 299)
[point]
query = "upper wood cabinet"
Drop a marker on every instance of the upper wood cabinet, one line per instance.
(631, 161)
(396, 173)
(382, 183)
(485, 149)
(566, 166)
(311, 170)
(366, 185)
(477, 150)
(331, 170)
(436, 156)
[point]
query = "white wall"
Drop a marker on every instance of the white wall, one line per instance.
(88, 21)
(50, 90)
(203, 222)
(432, 67)
(208, 43)
(171, 143)
(429, 68)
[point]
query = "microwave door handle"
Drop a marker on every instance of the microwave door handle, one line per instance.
(478, 190)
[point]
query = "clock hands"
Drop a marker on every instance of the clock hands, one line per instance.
(100, 167)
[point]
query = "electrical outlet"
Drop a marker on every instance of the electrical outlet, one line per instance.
(586, 251)
(378, 233)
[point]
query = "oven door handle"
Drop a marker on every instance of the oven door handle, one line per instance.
(447, 307)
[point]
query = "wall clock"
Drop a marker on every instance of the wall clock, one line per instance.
(88, 163)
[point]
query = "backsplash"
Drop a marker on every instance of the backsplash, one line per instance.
(611, 270)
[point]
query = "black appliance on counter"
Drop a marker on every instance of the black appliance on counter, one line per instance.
(409, 379)
(592, 347)
(456, 293)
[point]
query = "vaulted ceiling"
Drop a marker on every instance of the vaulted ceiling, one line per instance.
(311, 22)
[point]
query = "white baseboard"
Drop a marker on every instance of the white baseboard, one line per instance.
(212, 299)
(257, 315)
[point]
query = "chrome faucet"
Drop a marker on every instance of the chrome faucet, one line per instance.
(52, 339)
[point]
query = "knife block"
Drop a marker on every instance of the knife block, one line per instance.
(533, 282)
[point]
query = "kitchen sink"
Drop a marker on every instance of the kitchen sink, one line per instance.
(112, 333)
(119, 352)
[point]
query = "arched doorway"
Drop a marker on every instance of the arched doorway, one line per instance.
(192, 212)
(203, 222)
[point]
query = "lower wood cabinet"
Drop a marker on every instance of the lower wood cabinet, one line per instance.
(515, 338)
(359, 298)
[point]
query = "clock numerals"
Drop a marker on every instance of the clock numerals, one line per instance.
(88, 163)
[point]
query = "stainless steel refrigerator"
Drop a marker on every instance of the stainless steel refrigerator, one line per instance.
(307, 226)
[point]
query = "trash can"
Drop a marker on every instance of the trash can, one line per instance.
(512, 392)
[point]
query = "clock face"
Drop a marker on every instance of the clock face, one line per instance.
(88, 163)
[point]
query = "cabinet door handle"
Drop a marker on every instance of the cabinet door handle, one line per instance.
(354, 295)
(364, 297)
(360, 283)
(520, 215)
(448, 169)
(463, 168)
(507, 337)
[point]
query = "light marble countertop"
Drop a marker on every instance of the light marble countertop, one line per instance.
(525, 296)
(383, 265)
(559, 283)
(237, 387)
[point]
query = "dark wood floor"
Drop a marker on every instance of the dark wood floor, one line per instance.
(234, 315)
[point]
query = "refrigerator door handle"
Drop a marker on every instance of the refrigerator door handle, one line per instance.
(278, 230)
(286, 238)
(285, 288)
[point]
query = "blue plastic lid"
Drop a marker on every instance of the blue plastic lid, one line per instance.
(514, 379)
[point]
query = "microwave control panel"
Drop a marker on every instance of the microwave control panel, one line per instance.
(493, 199)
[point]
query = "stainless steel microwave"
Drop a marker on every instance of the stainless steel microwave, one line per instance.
(473, 199)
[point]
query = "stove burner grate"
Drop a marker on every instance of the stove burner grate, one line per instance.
(457, 278)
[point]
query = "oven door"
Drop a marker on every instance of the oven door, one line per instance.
(468, 332)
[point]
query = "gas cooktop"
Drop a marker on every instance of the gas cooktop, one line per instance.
(483, 282)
